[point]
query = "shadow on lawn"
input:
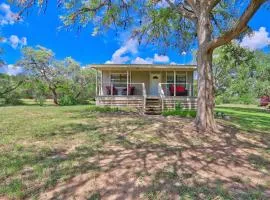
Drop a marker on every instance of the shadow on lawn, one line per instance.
(135, 157)
(199, 167)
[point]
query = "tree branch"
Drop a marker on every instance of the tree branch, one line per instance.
(11, 88)
(183, 10)
(239, 28)
(213, 4)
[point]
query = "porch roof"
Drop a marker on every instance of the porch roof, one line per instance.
(143, 67)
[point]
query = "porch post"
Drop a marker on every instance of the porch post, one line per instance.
(101, 82)
(187, 84)
(111, 85)
(174, 82)
(127, 82)
(96, 83)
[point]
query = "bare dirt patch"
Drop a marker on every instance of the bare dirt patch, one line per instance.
(166, 158)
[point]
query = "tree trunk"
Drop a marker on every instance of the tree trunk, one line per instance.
(54, 96)
(205, 112)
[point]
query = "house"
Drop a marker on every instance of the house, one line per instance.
(152, 88)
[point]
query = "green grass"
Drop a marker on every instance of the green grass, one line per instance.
(180, 113)
(249, 118)
(41, 146)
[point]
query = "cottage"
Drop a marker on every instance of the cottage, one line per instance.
(152, 88)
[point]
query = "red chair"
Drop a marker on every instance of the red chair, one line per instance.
(113, 89)
(131, 90)
(180, 90)
(264, 100)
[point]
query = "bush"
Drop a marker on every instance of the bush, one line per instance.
(67, 100)
(40, 100)
(12, 99)
(247, 99)
(180, 113)
(103, 109)
(178, 106)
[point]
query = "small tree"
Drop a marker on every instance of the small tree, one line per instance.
(39, 63)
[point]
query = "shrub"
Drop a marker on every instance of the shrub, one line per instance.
(178, 106)
(67, 100)
(248, 99)
(180, 113)
(40, 99)
(103, 109)
(13, 99)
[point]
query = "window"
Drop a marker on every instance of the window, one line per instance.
(180, 78)
(119, 79)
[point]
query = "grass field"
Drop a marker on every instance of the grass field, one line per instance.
(84, 152)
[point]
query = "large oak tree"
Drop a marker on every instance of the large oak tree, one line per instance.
(181, 24)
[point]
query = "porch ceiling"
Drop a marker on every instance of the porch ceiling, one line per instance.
(144, 67)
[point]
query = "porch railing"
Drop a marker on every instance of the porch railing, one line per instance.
(162, 95)
(178, 89)
(121, 89)
(144, 95)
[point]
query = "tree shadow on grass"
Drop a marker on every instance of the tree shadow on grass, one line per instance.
(220, 166)
(131, 157)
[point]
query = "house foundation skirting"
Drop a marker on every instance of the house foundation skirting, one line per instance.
(168, 102)
(171, 102)
(119, 101)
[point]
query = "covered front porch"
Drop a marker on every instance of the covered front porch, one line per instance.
(132, 84)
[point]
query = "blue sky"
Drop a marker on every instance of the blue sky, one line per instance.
(42, 29)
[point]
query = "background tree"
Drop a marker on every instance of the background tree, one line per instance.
(39, 63)
(241, 75)
(67, 81)
(9, 88)
(262, 73)
(234, 70)
(211, 23)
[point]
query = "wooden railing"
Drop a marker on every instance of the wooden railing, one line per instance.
(170, 89)
(162, 95)
(121, 89)
(144, 95)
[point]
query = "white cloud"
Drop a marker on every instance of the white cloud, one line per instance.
(140, 60)
(12, 70)
(6, 15)
(257, 40)
(24, 41)
(164, 3)
(161, 58)
(14, 41)
(127, 54)
(120, 55)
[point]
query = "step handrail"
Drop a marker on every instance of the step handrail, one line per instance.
(144, 96)
(162, 95)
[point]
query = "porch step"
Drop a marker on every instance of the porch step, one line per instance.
(153, 106)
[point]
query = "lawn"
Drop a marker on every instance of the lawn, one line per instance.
(84, 152)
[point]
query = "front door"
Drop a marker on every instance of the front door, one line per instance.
(155, 79)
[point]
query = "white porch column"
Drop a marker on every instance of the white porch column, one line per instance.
(96, 83)
(187, 84)
(174, 82)
(101, 82)
(127, 82)
(167, 86)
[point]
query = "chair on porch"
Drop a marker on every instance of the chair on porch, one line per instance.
(180, 90)
(111, 89)
(131, 90)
